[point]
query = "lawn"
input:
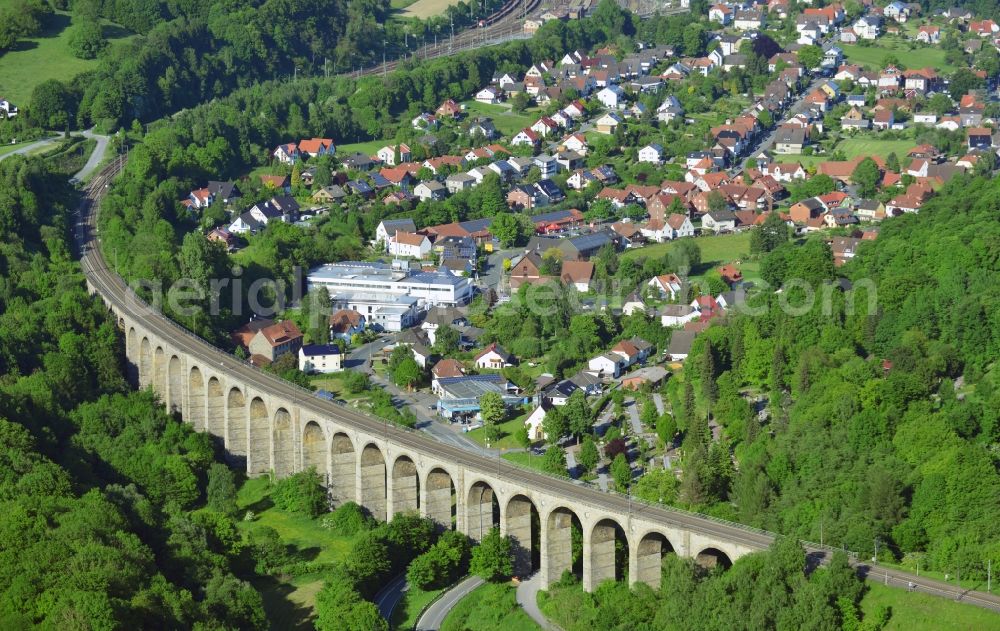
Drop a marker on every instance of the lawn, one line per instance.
(506, 122)
(716, 250)
(39, 59)
(488, 607)
(368, 147)
(524, 459)
(334, 382)
(865, 146)
(289, 603)
(404, 616)
(507, 430)
(922, 612)
(874, 56)
(424, 9)
(805, 161)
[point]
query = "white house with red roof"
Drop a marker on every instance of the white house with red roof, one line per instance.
(525, 137)
(493, 357)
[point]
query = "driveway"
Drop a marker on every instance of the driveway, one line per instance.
(434, 616)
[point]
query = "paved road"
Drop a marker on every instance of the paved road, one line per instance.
(96, 157)
(527, 597)
(434, 616)
(390, 595)
(116, 293)
(38, 144)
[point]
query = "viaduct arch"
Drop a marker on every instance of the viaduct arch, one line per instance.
(270, 427)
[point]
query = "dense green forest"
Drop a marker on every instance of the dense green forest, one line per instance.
(98, 485)
(190, 52)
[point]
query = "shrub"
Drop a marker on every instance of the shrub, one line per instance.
(301, 493)
(348, 520)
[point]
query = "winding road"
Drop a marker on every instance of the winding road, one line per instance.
(94, 161)
(434, 616)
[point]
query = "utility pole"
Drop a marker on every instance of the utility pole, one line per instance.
(384, 69)
(875, 558)
(989, 576)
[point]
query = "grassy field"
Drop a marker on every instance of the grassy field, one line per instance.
(507, 430)
(368, 147)
(489, 607)
(853, 147)
(424, 9)
(404, 616)
(39, 59)
(874, 56)
(716, 250)
(507, 122)
(922, 612)
(289, 604)
(525, 459)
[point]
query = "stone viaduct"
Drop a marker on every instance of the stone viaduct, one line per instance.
(267, 425)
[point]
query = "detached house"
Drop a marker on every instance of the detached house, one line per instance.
(652, 153)
(612, 97)
(287, 153)
(271, 342)
(493, 357)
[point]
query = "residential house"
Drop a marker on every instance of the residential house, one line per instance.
(608, 123)
(387, 154)
(409, 244)
(493, 357)
(275, 340)
(677, 315)
(430, 190)
(459, 182)
(867, 27)
(651, 153)
(606, 365)
(844, 249)
(315, 147)
(646, 376)
(668, 285)
(929, 34)
(387, 228)
(525, 137)
(449, 109)
(612, 97)
(979, 138)
(287, 153)
(680, 345)
(346, 323)
(577, 274)
(749, 19)
(721, 13)
(489, 95)
(789, 140)
(320, 358)
(719, 221)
